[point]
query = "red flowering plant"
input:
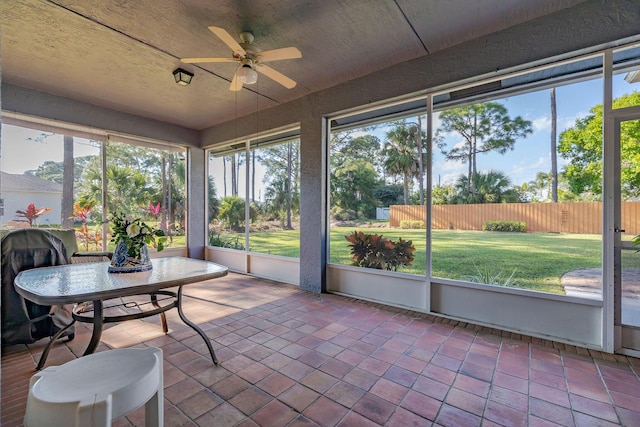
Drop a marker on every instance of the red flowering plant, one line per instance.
(155, 210)
(84, 235)
(31, 214)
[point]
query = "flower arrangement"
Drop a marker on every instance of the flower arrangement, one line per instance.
(135, 234)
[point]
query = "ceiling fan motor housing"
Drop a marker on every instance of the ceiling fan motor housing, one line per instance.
(246, 37)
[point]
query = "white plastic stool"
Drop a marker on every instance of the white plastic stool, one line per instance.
(94, 389)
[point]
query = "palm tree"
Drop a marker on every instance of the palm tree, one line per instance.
(542, 182)
(127, 188)
(281, 164)
(488, 187)
(232, 211)
(418, 136)
(278, 202)
(400, 155)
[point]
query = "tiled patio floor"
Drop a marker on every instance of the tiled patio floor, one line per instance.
(293, 358)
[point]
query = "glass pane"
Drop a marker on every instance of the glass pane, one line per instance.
(630, 220)
(626, 77)
(517, 188)
(150, 184)
(274, 192)
(34, 190)
(226, 178)
(373, 170)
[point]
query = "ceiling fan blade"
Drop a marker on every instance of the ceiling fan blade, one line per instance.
(236, 84)
(276, 75)
(228, 40)
(194, 60)
(279, 54)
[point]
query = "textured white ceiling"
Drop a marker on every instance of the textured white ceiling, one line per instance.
(120, 54)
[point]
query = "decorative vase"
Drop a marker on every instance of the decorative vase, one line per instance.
(123, 263)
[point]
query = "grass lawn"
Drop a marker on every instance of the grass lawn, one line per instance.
(537, 260)
(175, 242)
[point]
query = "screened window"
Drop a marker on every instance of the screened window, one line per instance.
(514, 179)
(227, 198)
(517, 189)
(254, 195)
(62, 180)
(274, 192)
(377, 173)
(52, 186)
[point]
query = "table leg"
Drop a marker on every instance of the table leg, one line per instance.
(97, 327)
(195, 327)
(45, 353)
(163, 317)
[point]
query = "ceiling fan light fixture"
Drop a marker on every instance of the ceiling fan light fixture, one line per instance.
(247, 75)
(249, 56)
(182, 77)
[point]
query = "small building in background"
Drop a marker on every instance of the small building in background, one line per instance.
(382, 213)
(17, 191)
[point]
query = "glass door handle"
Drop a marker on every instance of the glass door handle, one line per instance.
(618, 230)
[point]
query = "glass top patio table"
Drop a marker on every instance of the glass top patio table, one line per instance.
(78, 283)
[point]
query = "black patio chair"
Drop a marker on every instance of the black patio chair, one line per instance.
(24, 322)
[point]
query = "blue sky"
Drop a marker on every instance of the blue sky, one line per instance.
(532, 154)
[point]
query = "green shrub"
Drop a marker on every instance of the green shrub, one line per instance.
(216, 240)
(232, 211)
(411, 224)
(340, 214)
(513, 226)
(375, 251)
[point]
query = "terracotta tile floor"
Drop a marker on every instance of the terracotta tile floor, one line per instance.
(293, 358)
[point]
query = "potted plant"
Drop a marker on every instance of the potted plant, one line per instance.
(131, 236)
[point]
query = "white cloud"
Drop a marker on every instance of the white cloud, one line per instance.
(541, 124)
(461, 144)
(525, 172)
(359, 133)
(452, 165)
(448, 171)
(568, 122)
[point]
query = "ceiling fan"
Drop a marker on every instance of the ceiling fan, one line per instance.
(251, 59)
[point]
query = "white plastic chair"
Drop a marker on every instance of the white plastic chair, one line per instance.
(95, 389)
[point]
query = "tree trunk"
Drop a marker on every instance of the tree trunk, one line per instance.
(238, 179)
(469, 169)
(554, 151)
(163, 204)
(253, 176)
(288, 186)
(406, 188)
(67, 184)
(234, 187)
(420, 165)
(169, 207)
(474, 152)
(224, 175)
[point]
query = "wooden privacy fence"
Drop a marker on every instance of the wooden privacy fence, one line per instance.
(566, 217)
